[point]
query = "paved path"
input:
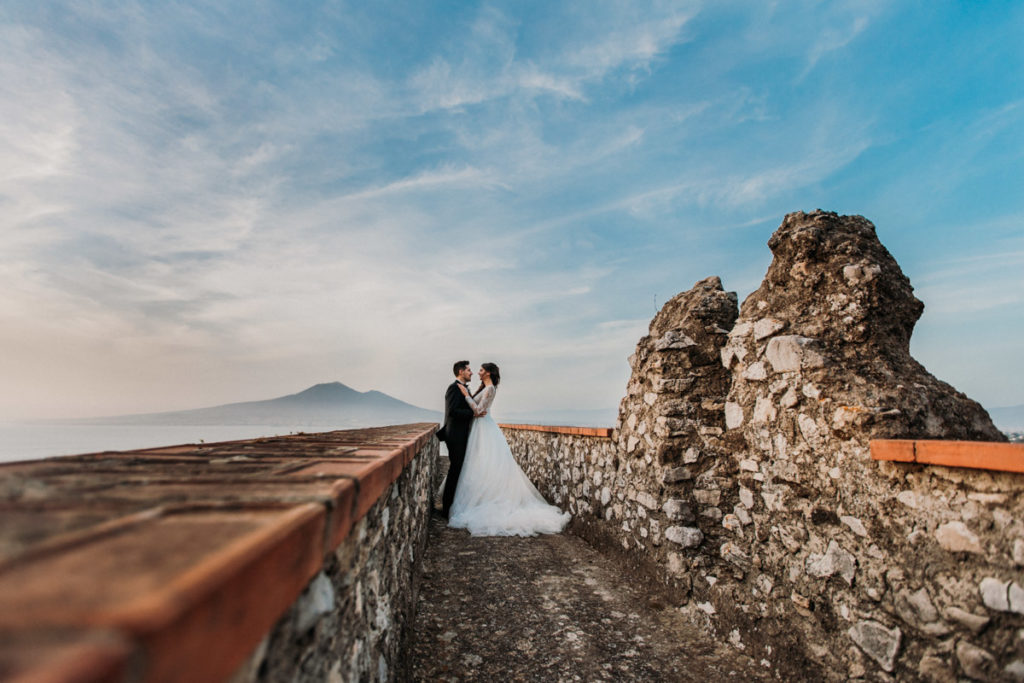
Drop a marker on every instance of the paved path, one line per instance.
(550, 608)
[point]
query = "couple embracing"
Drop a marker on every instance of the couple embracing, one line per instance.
(486, 492)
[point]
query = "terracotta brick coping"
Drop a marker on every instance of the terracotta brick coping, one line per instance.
(604, 432)
(170, 564)
(981, 455)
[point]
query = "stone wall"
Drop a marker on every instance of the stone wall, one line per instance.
(740, 473)
(288, 558)
(354, 618)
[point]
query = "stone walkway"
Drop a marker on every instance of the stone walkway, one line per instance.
(550, 608)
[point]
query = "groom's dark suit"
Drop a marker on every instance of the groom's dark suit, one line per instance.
(458, 417)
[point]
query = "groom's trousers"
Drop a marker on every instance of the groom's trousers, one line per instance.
(456, 456)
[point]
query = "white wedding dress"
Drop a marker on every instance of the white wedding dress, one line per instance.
(494, 496)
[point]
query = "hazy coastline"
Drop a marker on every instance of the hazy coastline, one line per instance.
(34, 440)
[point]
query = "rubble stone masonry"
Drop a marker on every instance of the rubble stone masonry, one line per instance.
(740, 477)
(354, 619)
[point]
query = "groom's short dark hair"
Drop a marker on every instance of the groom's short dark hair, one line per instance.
(459, 365)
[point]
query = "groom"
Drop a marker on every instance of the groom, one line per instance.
(457, 418)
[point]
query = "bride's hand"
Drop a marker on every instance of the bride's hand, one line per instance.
(462, 388)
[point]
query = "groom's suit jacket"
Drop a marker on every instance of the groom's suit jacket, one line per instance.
(458, 417)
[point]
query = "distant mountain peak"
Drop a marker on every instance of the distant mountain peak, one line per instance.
(328, 403)
(327, 390)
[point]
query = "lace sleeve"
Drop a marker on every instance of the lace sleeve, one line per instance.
(472, 404)
(486, 398)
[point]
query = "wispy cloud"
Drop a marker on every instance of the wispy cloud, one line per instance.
(986, 276)
(633, 38)
(489, 64)
(833, 39)
(444, 176)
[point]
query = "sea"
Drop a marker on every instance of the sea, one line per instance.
(33, 440)
(30, 441)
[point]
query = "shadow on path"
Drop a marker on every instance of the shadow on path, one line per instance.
(550, 608)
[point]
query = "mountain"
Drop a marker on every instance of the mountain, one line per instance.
(328, 405)
(1008, 419)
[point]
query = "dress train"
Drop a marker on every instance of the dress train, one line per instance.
(494, 496)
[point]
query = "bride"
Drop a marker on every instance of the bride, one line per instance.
(493, 496)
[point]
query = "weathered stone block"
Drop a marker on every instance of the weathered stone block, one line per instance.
(755, 372)
(917, 609)
(764, 410)
(674, 339)
(1018, 552)
(1014, 671)
(731, 352)
(742, 514)
(877, 641)
(854, 524)
(647, 500)
(677, 564)
(789, 399)
(686, 536)
(766, 327)
(786, 353)
(676, 475)
(972, 621)
(315, 602)
(956, 537)
(678, 510)
(847, 416)
(1016, 595)
(707, 496)
(995, 594)
(733, 415)
(741, 330)
(935, 670)
(675, 386)
(976, 662)
(678, 408)
(712, 513)
(802, 602)
(860, 273)
(834, 561)
(732, 522)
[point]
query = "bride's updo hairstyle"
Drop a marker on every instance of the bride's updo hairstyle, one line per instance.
(494, 372)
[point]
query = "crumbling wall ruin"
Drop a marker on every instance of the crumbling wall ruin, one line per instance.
(740, 470)
(641, 493)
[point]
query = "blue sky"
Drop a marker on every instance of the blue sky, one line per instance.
(210, 202)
